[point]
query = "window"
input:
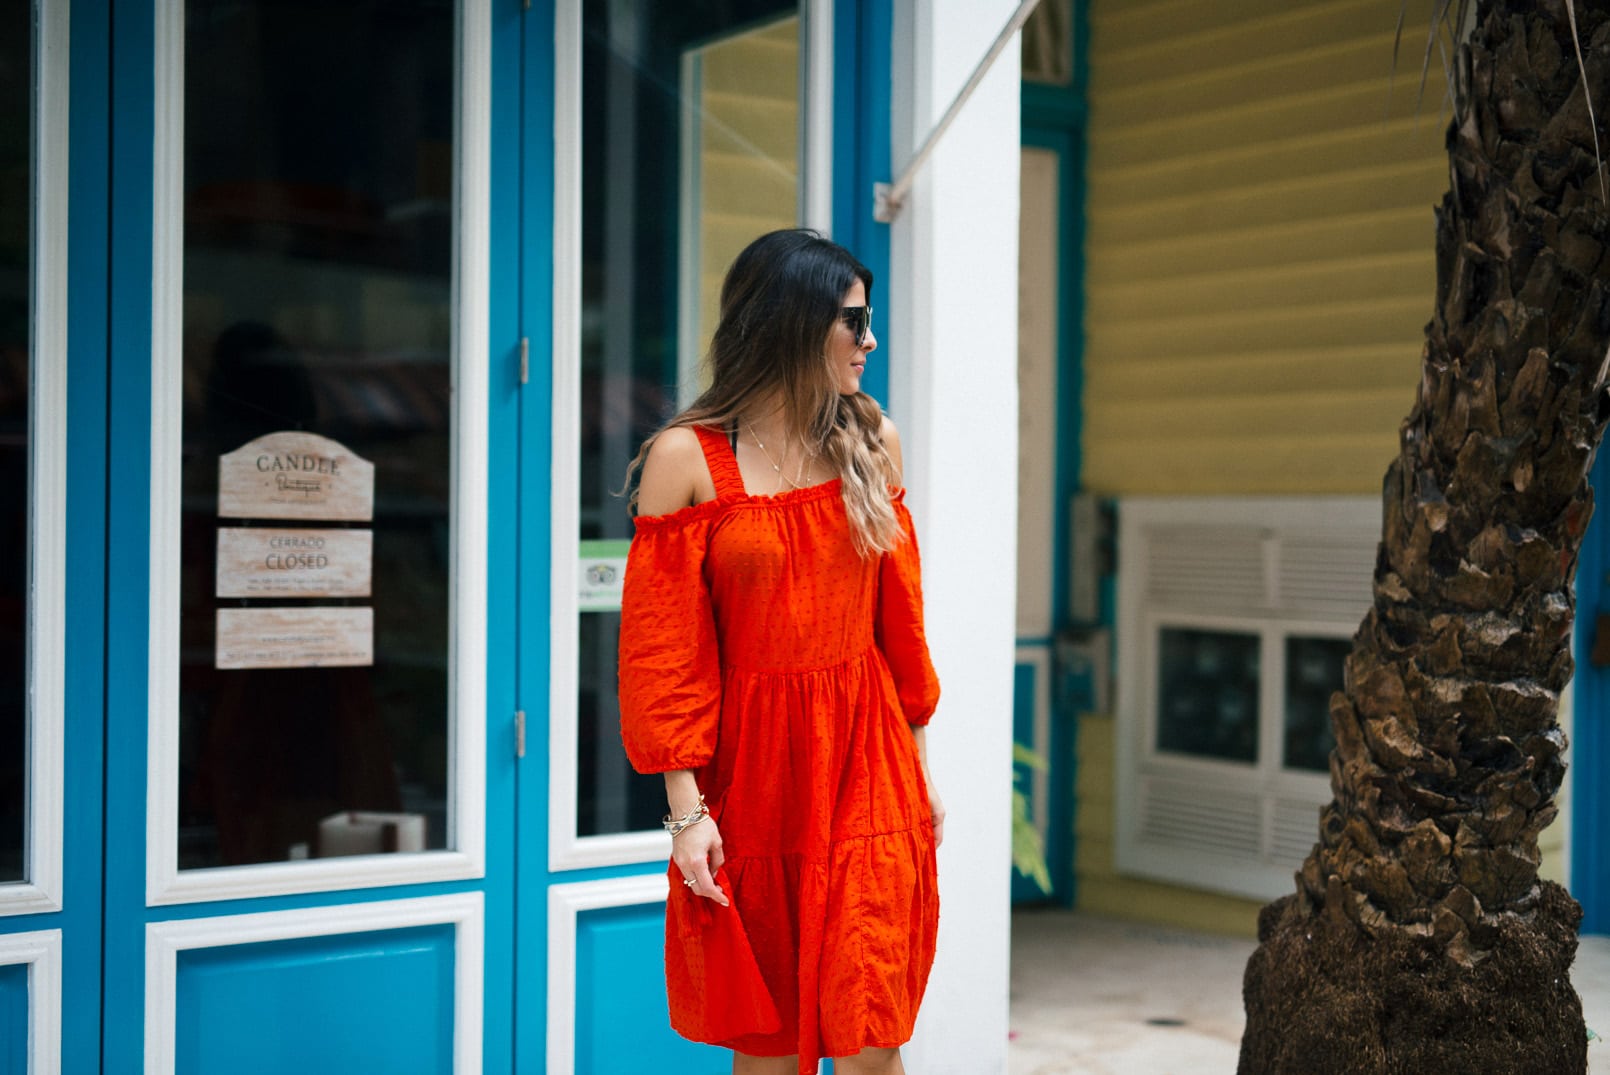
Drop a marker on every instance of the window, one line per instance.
(1048, 44)
(1235, 620)
(16, 130)
(33, 440)
(318, 387)
(692, 123)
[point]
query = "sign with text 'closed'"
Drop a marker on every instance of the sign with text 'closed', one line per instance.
(282, 562)
(295, 475)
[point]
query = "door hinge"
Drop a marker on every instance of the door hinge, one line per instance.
(525, 359)
(519, 733)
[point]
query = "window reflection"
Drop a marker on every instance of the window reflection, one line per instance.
(16, 130)
(318, 248)
(659, 228)
(1048, 44)
(1313, 673)
(1207, 694)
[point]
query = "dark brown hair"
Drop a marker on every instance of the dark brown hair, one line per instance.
(780, 302)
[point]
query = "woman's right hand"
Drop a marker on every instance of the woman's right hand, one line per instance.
(696, 850)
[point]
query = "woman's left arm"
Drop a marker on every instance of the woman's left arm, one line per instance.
(936, 806)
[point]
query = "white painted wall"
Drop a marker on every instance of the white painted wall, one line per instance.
(953, 392)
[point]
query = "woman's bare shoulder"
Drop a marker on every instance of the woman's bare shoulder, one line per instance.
(891, 444)
(674, 474)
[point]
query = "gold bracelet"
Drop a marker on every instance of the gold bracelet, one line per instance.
(692, 817)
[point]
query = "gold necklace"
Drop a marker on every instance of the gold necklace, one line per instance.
(781, 477)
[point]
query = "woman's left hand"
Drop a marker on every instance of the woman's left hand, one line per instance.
(936, 806)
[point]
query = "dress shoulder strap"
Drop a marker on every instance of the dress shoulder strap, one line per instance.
(722, 461)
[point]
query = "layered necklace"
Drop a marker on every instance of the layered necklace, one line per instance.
(805, 458)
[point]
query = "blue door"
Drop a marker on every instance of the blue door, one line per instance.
(52, 532)
(679, 132)
(309, 755)
(308, 704)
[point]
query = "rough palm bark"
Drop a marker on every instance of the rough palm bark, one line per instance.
(1420, 938)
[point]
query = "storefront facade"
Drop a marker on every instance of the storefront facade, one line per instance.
(330, 330)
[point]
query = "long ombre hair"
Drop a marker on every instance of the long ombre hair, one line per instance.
(780, 302)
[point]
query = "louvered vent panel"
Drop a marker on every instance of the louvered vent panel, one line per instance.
(1294, 833)
(1211, 568)
(1326, 574)
(1200, 818)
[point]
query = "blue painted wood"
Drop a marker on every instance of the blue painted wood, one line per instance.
(14, 1019)
(503, 553)
(80, 919)
(531, 584)
(863, 37)
(337, 1005)
(1590, 738)
(1054, 118)
(620, 983)
(127, 498)
(88, 367)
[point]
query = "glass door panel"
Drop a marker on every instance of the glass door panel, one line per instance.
(318, 430)
(691, 127)
(16, 138)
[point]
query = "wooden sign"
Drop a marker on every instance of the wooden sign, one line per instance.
(260, 562)
(294, 475)
(295, 637)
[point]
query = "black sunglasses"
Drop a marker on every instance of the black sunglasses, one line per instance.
(859, 318)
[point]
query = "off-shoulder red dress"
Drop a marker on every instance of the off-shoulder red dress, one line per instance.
(760, 649)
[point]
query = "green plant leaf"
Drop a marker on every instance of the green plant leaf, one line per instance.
(1028, 848)
(1022, 755)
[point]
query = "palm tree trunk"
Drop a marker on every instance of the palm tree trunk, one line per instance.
(1420, 938)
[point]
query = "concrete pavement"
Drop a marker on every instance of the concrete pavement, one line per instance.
(1094, 996)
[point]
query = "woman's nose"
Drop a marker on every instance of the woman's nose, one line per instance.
(869, 342)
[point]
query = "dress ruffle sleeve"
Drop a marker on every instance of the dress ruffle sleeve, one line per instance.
(900, 632)
(670, 666)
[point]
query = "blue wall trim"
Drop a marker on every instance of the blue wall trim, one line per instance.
(1590, 740)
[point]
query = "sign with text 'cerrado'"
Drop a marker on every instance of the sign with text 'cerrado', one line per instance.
(304, 477)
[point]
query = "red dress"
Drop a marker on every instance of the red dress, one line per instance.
(760, 649)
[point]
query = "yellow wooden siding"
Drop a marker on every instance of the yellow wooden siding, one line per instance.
(1100, 888)
(1259, 268)
(1259, 254)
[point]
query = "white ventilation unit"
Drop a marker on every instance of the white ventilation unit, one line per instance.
(1286, 572)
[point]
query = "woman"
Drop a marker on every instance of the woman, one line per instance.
(773, 666)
